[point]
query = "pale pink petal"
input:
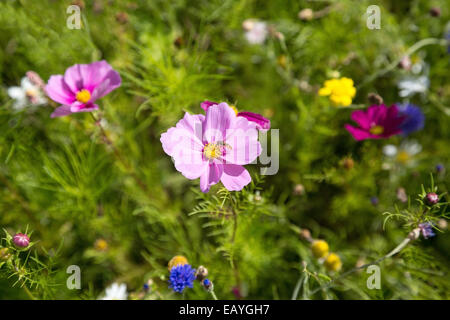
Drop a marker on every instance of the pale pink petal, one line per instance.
(210, 176)
(218, 119)
(61, 111)
(58, 90)
(235, 177)
(242, 145)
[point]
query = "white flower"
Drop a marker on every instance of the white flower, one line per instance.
(116, 292)
(405, 153)
(256, 32)
(28, 93)
(410, 86)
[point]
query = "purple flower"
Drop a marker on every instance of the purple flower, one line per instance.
(213, 147)
(181, 276)
(262, 123)
(414, 118)
(80, 86)
(378, 122)
(427, 230)
(21, 240)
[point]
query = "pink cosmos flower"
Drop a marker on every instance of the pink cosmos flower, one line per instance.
(213, 147)
(80, 86)
(261, 122)
(378, 122)
(21, 240)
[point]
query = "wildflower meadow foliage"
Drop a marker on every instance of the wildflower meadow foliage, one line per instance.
(136, 138)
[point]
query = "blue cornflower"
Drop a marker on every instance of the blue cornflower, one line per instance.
(427, 230)
(415, 119)
(181, 276)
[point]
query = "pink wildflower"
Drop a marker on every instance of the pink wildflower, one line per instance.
(262, 123)
(377, 122)
(213, 147)
(80, 86)
(21, 240)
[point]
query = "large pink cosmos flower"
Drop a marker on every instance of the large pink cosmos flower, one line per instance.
(261, 122)
(378, 122)
(213, 147)
(80, 86)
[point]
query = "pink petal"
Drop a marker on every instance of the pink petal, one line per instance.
(218, 119)
(235, 177)
(360, 117)
(206, 104)
(73, 79)
(58, 91)
(211, 176)
(242, 143)
(357, 133)
(61, 111)
(262, 123)
(111, 82)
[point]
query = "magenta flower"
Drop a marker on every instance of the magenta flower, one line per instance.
(21, 240)
(213, 147)
(378, 122)
(261, 122)
(80, 86)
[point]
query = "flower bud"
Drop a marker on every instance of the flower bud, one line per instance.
(333, 262)
(177, 260)
(306, 14)
(4, 254)
(432, 198)
(375, 98)
(320, 248)
(348, 163)
(21, 240)
(201, 273)
(207, 284)
(306, 234)
(299, 190)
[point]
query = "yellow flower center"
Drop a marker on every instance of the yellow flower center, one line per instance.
(403, 156)
(83, 96)
(376, 130)
(235, 109)
(31, 93)
(333, 262)
(212, 151)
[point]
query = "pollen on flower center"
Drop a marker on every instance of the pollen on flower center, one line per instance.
(403, 156)
(377, 130)
(212, 151)
(83, 96)
(234, 109)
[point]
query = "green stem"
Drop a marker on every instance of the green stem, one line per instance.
(213, 294)
(418, 45)
(29, 294)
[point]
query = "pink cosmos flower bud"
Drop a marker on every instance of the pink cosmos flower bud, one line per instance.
(432, 198)
(21, 240)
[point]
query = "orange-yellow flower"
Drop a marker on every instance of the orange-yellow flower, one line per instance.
(177, 260)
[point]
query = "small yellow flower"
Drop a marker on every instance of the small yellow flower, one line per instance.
(176, 261)
(319, 248)
(333, 262)
(341, 91)
(101, 245)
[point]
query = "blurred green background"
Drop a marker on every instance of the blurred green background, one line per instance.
(58, 178)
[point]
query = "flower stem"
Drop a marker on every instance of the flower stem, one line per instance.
(28, 292)
(418, 45)
(394, 251)
(120, 157)
(213, 294)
